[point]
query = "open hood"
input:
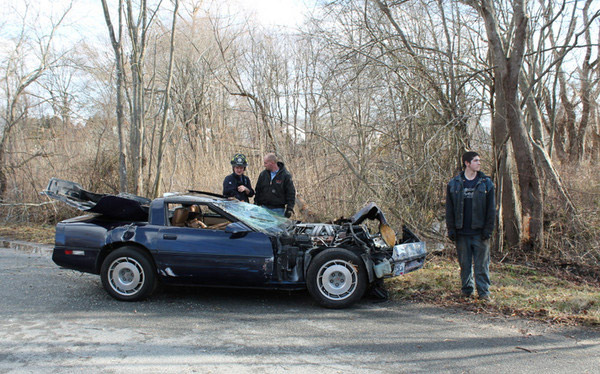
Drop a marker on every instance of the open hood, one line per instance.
(372, 211)
(369, 211)
(122, 206)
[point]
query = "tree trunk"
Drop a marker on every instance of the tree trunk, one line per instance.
(543, 160)
(161, 138)
(509, 217)
(529, 181)
(585, 91)
(507, 68)
(3, 179)
(117, 48)
(10, 121)
(137, 32)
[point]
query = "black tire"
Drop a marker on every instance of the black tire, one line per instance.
(128, 274)
(336, 278)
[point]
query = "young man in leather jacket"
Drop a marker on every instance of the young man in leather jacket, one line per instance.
(470, 219)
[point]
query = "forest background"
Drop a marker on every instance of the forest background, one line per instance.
(364, 100)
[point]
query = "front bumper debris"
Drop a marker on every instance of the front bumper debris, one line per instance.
(408, 257)
(405, 258)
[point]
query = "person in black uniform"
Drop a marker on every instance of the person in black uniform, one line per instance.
(236, 184)
(274, 188)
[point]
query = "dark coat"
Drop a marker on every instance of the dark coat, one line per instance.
(231, 184)
(277, 193)
(484, 211)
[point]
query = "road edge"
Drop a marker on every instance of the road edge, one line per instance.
(20, 245)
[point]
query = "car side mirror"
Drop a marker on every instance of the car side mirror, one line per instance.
(237, 230)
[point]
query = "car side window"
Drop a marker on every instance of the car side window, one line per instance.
(214, 220)
(197, 216)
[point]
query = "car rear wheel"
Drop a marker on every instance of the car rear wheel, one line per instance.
(128, 274)
(336, 278)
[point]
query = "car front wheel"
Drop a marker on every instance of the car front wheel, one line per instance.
(128, 274)
(336, 278)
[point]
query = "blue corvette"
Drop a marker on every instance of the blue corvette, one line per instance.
(203, 239)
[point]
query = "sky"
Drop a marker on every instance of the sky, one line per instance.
(276, 12)
(86, 20)
(89, 12)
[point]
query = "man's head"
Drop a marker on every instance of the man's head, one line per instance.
(471, 161)
(239, 163)
(270, 162)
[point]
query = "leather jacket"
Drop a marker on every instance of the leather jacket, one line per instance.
(483, 213)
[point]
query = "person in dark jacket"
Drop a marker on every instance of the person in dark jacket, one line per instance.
(274, 188)
(237, 184)
(470, 219)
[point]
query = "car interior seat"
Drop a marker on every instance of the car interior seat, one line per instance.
(180, 216)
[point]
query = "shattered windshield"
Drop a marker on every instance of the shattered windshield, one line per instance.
(257, 217)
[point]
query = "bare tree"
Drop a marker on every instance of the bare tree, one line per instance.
(238, 62)
(588, 89)
(31, 56)
(167, 104)
(116, 42)
(137, 27)
(507, 51)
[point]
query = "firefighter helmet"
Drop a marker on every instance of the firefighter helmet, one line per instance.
(239, 160)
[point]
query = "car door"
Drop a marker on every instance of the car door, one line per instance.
(213, 257)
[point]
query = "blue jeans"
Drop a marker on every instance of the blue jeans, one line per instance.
(280, 211)
(472, 250)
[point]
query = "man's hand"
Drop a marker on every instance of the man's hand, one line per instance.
(452, 235)
(243, 189)
(485, 236)
(288, 213)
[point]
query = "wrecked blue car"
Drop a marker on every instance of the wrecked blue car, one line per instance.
(206, 240)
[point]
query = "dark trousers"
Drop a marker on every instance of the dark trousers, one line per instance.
(473, 252)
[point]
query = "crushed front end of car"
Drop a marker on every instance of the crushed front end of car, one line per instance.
(385, 255)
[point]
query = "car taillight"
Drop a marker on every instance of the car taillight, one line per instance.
(75, 253)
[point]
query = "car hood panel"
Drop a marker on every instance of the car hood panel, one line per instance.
(122, 206)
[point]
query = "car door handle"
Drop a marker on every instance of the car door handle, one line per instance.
(169, 237)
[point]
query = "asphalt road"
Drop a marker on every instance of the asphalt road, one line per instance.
(61, 321)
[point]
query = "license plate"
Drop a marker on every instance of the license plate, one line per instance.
(399, 269)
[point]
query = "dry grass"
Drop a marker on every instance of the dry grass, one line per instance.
(43, 234)
(517, 291)
(574, 238)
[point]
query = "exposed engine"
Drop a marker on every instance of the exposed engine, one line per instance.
(296, 250)
(319, 233)
(342, 235)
